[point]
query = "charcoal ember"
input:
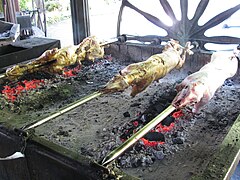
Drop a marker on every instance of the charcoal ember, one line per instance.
(154, 136)
(127, 133)
(174, 134)
(166, 99)
(37, 75)
(146, 160)
(167, 121)
(133, 159)
(177, 140)
(110, 146)
(147, 117)
(143, 118)
(126, 114)
(136, 162)
(138, 147)
(159, 147)
(103, 154)
(125, 161)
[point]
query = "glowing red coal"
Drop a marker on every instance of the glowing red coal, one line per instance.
(11, 93)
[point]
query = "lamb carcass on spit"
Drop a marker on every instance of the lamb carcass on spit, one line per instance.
(55, 60)
(141, 75)
(198, 88)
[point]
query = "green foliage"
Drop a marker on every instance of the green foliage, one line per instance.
(53, 6)
(1, 6)
(57, 10)
(54, 19)
(24, 4)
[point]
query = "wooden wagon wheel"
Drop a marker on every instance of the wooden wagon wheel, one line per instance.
(186, 29)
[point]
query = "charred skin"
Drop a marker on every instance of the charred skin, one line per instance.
(55, 60)
(141, 75)
(199, 87)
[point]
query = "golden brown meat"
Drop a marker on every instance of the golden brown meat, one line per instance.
(55, 60)
(141, 75)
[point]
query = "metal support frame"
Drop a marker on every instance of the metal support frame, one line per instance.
(80, 20)
(185, 29)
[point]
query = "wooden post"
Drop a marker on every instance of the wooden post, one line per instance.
(80, 20)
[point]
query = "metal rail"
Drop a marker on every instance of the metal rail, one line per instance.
(63, 110)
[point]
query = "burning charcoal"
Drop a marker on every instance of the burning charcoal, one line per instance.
(146, 117)
(138, 146)
(135, 123)
(167, 121)
(177, 140)
(126, 114)
(127, 134)
(154, 136)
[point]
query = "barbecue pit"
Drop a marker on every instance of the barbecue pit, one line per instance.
(93, 129)
(203, 146)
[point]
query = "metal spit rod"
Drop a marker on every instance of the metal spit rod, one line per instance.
(134, 138)
(2, 76)
(64, 110)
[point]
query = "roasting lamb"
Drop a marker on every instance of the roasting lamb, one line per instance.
(199, 87)
(141, 75)
(55, 60)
